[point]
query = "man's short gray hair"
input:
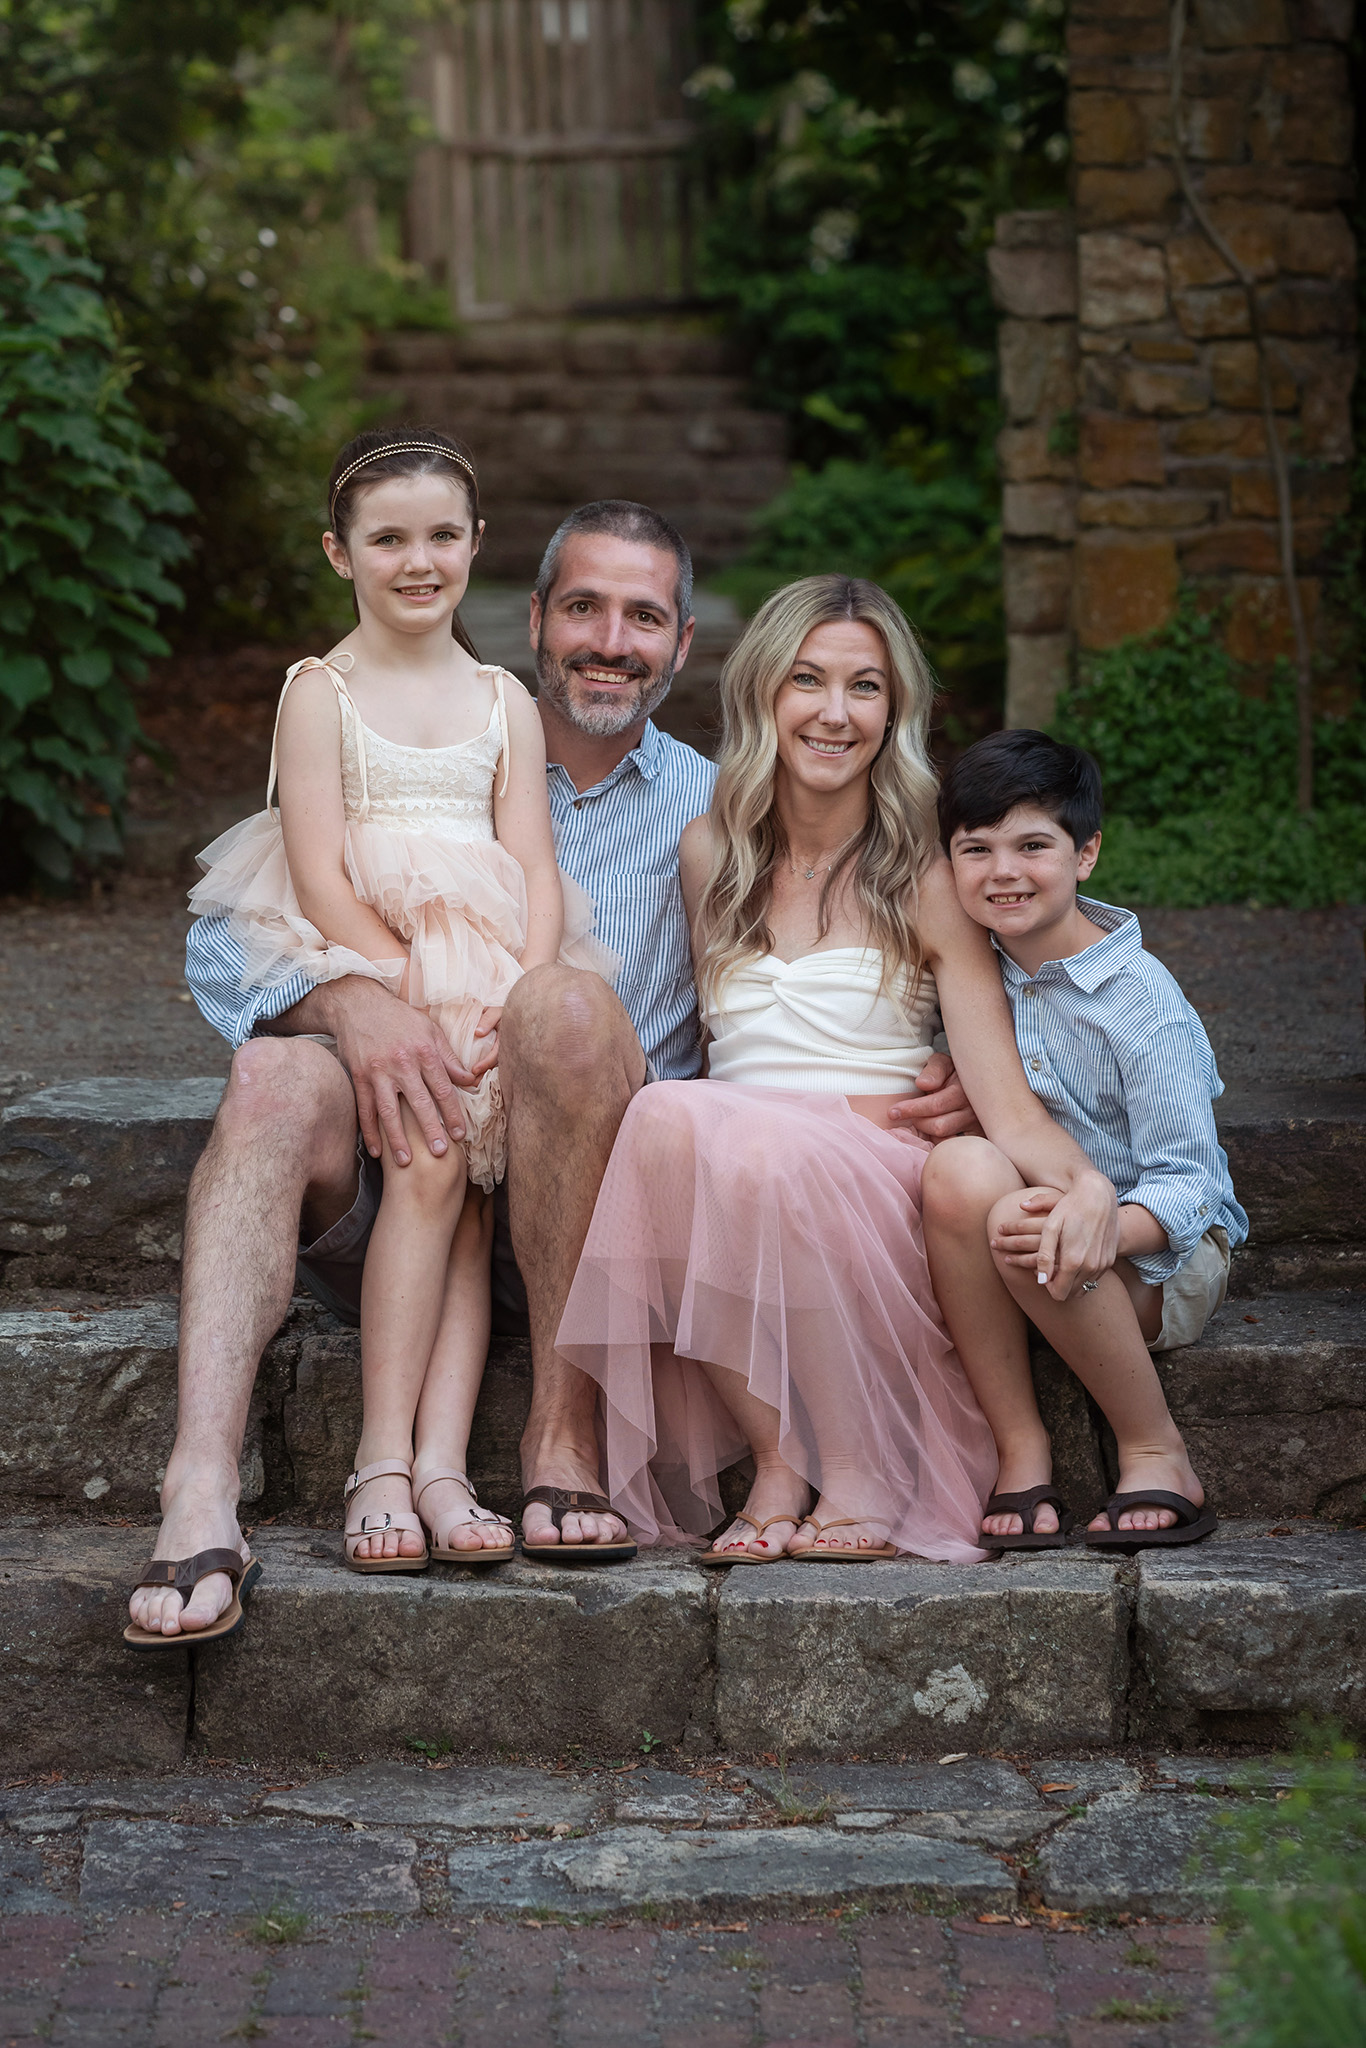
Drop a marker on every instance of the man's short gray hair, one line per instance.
(624, 520)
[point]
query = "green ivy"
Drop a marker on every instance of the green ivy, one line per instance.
(86, 533)
(1199, 777)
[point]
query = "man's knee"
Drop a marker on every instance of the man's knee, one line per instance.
(559, 1030)
(284, 1092)
(963, 1177)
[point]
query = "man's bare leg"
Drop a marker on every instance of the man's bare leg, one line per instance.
(284, 1140)
(570, 1062)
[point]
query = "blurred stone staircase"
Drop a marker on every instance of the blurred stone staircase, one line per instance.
(1226, 1642)
(559, 412)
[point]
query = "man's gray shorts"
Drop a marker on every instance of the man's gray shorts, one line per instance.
(331, 1267)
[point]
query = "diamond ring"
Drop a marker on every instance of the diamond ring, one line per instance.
(1089, 1286)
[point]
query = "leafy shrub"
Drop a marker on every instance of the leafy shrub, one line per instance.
(85, 535)
(934, 545)
(1296, 1871)
(1199, 778)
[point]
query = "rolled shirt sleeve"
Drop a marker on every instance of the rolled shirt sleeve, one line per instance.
(214, 966)
(1181, 1167)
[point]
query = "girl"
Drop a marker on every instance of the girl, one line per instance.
(754, 1276)
(413, 846)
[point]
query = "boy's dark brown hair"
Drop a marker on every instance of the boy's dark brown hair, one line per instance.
(1021, 767)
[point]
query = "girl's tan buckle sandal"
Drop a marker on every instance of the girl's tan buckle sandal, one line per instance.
(442, 1551)
(379, 1525)
(182, 1575)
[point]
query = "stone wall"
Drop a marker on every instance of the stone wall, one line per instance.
(1133, 454)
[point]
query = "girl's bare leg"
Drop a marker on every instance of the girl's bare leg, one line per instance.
(445, 1410)
(401, 1303)
(963, 1180)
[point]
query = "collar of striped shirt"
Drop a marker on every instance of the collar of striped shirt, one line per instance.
(1094, 965)
(645, 757)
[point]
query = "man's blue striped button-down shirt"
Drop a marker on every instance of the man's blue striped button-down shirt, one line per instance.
(619, 840)
(1122, 1061)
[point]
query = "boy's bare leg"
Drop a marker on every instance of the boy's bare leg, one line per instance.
(284, 1140)
(1101, 1335)
(962, 1182)
(570, 1062)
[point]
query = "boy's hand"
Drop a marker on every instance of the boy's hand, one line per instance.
(939, 1108)
(1080, 1236)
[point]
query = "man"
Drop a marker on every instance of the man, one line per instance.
(611, 623)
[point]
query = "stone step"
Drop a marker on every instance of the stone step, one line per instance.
(597, 349)
(1272, 1402)
(1229, 1642)
(93, 1176)
(969, 1830)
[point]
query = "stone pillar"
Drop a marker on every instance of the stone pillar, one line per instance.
(1172, 479)
(1033, 270)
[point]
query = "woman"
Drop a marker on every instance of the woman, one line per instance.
(754, 1276)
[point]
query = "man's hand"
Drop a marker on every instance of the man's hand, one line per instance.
(390, 1051)
(1080, 1236)
(939, 1108)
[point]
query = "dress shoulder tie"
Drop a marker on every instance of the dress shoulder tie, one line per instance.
(335, 674)
(500, 705)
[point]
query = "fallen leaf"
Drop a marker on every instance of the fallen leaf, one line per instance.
(1252, 1319)
(996, 1919)
(959, 1756)
(1280, 1532)
(1058, 1788)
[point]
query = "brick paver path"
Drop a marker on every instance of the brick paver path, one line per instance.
(881, 1980)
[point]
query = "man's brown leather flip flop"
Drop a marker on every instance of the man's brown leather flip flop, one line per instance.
(562, 1503)
(183, 1575)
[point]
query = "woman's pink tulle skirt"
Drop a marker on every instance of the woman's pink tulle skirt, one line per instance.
(776, 1236)
(458, 906)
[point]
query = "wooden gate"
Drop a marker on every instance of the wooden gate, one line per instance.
(558, 180)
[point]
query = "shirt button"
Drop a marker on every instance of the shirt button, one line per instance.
(1204, 1208)
(578, 803)
(1036, 1064)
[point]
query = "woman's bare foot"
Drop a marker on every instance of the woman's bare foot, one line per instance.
(1165, 1472)
(392, 1495)
(778, 1498)
(846, 1535)
(1024, 1467)
(201, 1516)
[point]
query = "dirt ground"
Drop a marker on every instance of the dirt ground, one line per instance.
(98, 988)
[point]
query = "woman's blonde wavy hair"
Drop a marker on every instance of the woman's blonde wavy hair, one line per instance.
(887, 857)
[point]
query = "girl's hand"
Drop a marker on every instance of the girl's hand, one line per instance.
(486, 1056)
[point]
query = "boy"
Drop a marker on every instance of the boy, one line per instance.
(1113, 1048)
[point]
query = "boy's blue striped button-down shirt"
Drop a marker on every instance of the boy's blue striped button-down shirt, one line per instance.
(1122, 1061)
(619, 840)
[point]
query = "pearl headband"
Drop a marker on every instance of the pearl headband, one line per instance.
(397, 448)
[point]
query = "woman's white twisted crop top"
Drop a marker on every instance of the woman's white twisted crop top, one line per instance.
(820, 1025)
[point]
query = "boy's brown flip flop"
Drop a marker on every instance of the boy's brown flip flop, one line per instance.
(182, 1575)
(1024, 1505)
(1193, 1524)
(562, 1503)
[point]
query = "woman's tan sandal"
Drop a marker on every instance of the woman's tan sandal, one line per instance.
(841, 1554)
(442, 1550)
(561, 1503)
(182, 1575)
(379, 1525)
(743, 1556)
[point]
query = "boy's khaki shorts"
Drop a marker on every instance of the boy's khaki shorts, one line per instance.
(1191, 1296)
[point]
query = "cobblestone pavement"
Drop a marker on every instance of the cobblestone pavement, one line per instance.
(880, 1980)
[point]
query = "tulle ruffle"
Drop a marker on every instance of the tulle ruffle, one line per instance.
(776, 1236)
(458, 905)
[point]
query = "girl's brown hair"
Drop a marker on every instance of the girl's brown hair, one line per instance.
(379, 454)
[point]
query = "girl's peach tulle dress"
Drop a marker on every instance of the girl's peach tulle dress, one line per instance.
(420, 850)
(775, 1234)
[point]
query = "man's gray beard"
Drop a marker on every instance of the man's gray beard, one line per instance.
(605, 719)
